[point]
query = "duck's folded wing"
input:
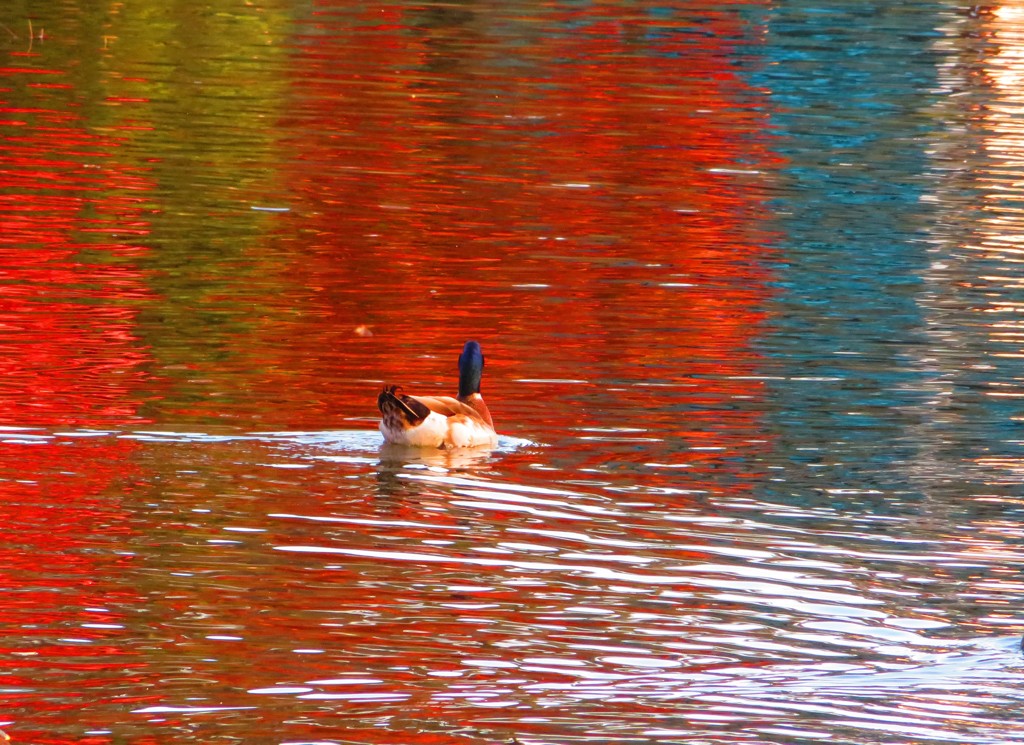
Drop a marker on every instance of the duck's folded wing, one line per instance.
(395, 405)
(447, 406)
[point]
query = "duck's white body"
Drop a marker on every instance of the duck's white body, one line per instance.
(441, 421)
(439, 430)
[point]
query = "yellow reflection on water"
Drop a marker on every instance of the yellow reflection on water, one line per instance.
(1001, 229)
(980, 149)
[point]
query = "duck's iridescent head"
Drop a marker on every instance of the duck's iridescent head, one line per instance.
(471, 368)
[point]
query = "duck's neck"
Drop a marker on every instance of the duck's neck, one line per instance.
(471, 369)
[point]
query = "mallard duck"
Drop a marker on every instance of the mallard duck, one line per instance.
(441, 421)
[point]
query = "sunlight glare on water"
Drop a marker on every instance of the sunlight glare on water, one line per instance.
(746, 280)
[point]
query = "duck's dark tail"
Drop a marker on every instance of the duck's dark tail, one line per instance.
(393, 405)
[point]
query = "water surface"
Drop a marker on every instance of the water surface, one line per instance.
(746, 279)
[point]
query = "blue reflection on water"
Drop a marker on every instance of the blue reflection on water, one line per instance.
(853, 334)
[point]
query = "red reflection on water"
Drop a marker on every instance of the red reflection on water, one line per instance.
(69, 360)
(600, 209)
(594, 214)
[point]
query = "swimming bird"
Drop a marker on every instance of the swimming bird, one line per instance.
(441, 421)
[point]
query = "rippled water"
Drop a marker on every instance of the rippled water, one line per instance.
(747, 280)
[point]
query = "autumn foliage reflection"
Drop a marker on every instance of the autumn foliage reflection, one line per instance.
(555, 212)
(602, 214)
(581, 190)
(70, 361)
